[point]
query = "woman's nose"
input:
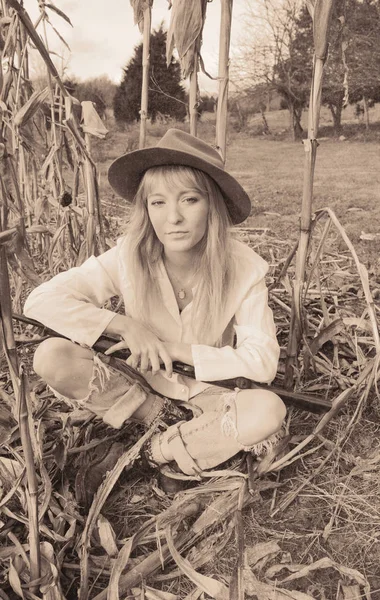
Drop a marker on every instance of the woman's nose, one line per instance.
(174, 215)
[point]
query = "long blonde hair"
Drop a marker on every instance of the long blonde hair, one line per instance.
(215, 268)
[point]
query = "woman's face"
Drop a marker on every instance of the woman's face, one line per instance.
(178, 214)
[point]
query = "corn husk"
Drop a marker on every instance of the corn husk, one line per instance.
(185, 32)
(91, 122)
(139, 7)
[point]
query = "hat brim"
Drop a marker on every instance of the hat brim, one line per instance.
(125, 174)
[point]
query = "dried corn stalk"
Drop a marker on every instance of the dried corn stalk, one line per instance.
(42, 152)
(320, 11)
(143, 16)
(185, 34)
(224, 48)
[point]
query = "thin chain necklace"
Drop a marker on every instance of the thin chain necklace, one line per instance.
(181, 292)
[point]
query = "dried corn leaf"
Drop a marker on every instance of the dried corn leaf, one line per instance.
(107, 536)
(203, 553)
(152, 594)
(8, 480)
(327, 334)
(274, 570)
(350, 592)
(7, 422)
(194, 595)
(327, 563)
(217, 510)
(253, 554)
(59, 12)
(14, 578)
(210, 586)
(21, 262)
(117, 569)
(59, 232)
(360, 323)
(38, 229)
(91, 122)
(278, 450)
(37, 41)
(101, 496)
(185, 31)
(48, 489)
(28, 110)
(265, 591)
(50, 586)
(139, 7)
(47, 162)
(59, 35)
(320, 11)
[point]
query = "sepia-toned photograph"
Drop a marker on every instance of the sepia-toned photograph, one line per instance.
(190, 300)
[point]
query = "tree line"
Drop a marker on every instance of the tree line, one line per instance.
(280, 57)
(167, 96)
(274, 57)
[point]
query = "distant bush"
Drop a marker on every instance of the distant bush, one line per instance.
(99, 90)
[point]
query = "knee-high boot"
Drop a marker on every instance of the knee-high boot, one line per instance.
(208, 440)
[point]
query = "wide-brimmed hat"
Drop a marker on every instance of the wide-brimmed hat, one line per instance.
(177, 147)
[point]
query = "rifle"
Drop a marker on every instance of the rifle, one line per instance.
(306, 402)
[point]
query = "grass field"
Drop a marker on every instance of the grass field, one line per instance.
(347, 177)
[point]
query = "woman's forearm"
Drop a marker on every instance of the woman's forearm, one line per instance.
(117, 325)
(181, 352)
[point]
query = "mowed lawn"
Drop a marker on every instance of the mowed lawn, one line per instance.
(347, 179)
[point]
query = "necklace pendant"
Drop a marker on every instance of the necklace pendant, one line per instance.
(181, 294)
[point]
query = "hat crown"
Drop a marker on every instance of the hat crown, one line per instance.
(180, 141)
(178, 148)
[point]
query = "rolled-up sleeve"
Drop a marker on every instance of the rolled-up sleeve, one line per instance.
(257, 351)
(70, 303)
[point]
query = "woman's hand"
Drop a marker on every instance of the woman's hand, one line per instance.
(147, 351)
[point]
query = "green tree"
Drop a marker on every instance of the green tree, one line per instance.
(166, 95)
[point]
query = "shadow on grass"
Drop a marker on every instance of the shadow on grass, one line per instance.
(352, 131)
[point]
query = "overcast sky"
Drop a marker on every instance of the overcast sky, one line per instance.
(103, 35)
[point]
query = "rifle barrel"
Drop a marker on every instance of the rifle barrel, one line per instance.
(298, 399)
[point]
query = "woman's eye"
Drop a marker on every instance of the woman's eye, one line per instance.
(157, 203)
(191, 199)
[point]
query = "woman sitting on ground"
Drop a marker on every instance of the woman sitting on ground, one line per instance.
(189, 290)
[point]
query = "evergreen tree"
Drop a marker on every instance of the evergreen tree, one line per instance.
(166, 95)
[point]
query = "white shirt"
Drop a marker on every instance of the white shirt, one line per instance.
(71, 304)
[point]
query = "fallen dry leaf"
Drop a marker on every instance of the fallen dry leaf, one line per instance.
(267, 591)
(253, 554)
